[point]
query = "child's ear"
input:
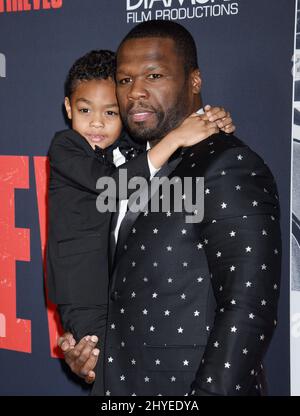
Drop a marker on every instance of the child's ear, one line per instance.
(68, 108)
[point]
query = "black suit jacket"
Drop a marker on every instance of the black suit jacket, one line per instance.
(77, 254)
(193, 307)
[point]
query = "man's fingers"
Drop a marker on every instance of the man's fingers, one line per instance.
(71, 356)
(90, 364)
(86, 349)
(73, 352)
(65, 346)
(87, 342)
(66, 341)
(81, 357)
(71, 340)
(78, 355)
(90, 378)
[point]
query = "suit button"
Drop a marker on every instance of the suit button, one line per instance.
(114, 295)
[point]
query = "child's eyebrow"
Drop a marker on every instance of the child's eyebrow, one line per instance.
(84, 100)
(111, 105)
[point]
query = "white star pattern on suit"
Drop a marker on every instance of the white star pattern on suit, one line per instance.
(239, 237)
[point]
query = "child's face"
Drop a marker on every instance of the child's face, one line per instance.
(94, 111)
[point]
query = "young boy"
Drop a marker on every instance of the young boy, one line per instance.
(77, 250)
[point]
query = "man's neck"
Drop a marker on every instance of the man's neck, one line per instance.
(197, 103)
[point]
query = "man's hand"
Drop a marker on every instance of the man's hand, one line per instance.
(221, 117)
(82, 357)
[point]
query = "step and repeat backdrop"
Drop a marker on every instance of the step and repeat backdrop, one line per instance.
(247, 58)
(295, 238)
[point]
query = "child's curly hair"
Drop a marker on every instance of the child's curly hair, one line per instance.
(96, 64)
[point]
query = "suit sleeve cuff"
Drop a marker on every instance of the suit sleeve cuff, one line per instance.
(152, 169)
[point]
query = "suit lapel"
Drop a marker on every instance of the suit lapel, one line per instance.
(131, 217)
(112, 240)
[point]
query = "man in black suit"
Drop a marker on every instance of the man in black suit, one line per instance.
(193, 306)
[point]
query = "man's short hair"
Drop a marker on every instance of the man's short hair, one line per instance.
(183, 40)
(97, 64)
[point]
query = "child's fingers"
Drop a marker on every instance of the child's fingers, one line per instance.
(224, 122)
(217, 114)
(213, 130)
(211, 124)
(230, 129)
(194, 115)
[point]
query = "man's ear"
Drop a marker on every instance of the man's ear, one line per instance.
(68, 107)
(196, 81)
